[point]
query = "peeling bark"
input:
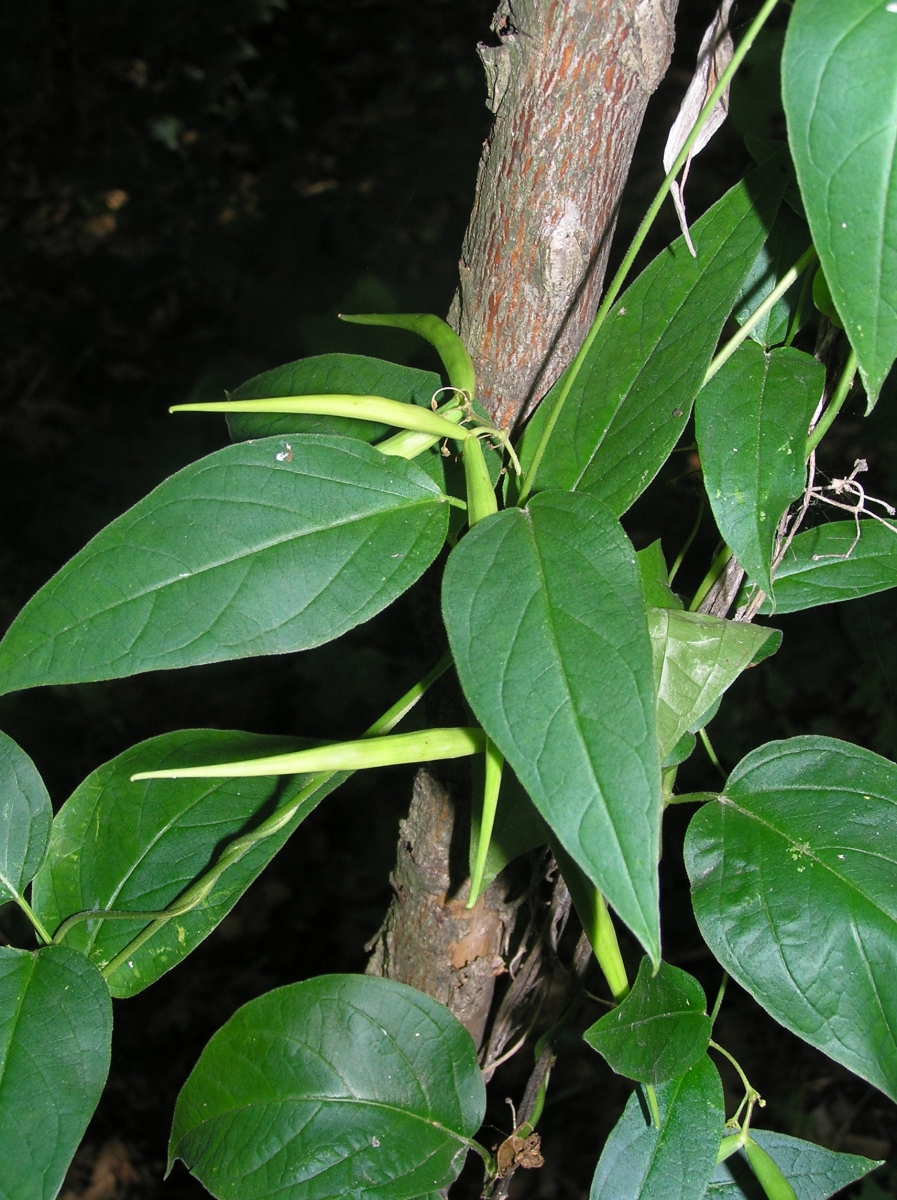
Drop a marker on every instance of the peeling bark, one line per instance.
(568, 85)
(429, 939)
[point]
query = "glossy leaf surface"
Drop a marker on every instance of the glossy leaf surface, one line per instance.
(840, 94)
(329, 374)
(674, 1162)
(827, 564)
(345, 1085)
(814, 1172)
(25, 819)
(751, 422)
(245, 552)
(633, 396)
(660, 1029)
(55, 1039)
(547, 625)
(792, 875)
(137, 846)
(696, 657)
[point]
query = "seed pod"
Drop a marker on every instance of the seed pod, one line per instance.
(440, 335)
(768, 1174)
(362, 408)
(387, 751)
(481, 500)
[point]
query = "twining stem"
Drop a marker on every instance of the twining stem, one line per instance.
(688, 541)
(638, 241)
(711, 753)
(718, 1003)
(835, 404)
(197, 892)
(790, 277)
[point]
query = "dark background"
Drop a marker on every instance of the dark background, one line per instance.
(191, 191)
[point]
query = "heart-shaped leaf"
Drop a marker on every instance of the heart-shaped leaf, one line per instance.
(792, 875)
(840, 561)
(696, 657)
(546, 619)
(839, 89)
(674, 1161)
(326, 375)
(751, 422)
(814, 1172)
(55, 1043)
(137, 846)
(345, 1085)
(633, 395)
(660, 1029)
(25, 819)
(248, 551)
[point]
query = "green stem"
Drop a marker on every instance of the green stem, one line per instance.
(616, 284)
(711, 753)
(35, 920)
(760, 312)
(716, 569)
(718, 1003)
(197, 892)
(835, 404)
(688, 541)
(748, 1087)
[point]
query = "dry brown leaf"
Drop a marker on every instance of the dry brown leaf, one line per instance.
(714, 56)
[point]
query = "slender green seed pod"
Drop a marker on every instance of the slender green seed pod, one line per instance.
(768, 1174)
(494, 766)
(409, 443)
(440, 335)
(388, 751)
(481, 500)
(362, 408)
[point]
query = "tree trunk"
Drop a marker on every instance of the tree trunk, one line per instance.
(568, 84)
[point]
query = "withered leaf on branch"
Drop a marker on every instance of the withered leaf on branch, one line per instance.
(714, 56)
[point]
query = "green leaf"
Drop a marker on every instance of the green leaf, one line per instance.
(751, 422)
(674, 1162)
(55, 1040)
(329, 375)
(696, 657)
(245, 552)
(345, 1085)
(633, 396)
(814, 1172)
(137, 846)
(839, 89)
(660, 1029)
(792, 877)
(25, 819)
(656, 578)
(547, 625)
(827, 564)
(788, 240)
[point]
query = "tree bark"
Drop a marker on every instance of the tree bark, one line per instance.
(568, 84)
